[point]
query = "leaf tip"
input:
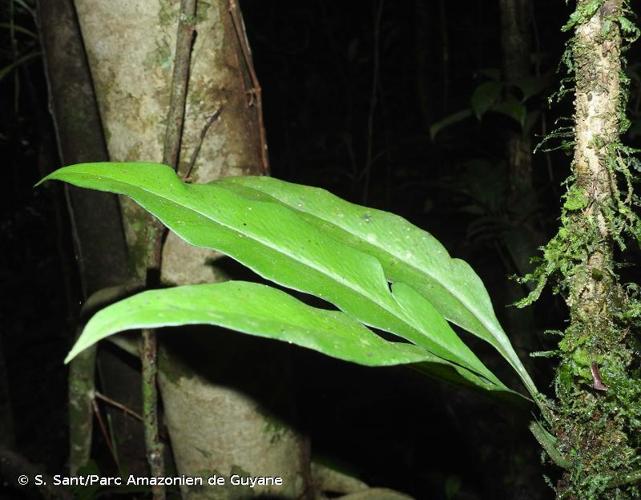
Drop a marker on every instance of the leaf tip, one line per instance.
(75, 350)
(43, 180)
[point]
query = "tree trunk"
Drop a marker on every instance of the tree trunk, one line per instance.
(515, 43)
(95, 218)
(597, 391)
(523, 238)
(521, 241)
(214, 428)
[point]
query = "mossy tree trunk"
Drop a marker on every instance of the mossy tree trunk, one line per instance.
(216, 424)
(597, 415)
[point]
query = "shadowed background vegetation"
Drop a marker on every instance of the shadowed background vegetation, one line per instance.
(404, 106)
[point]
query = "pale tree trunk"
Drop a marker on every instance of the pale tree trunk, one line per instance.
(130, 45)
(598, 67)
(596, 380)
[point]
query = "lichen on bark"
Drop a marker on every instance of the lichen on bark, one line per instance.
(597, 412)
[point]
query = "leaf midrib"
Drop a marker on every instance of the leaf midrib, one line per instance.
(506, 351)
(305, 262)
(419, 270)
(250, 317)
(461, 363)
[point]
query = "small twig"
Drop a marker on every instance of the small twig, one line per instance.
(171, 154)
(179, 82)
(118, 405)
(103, 429)
(149, 362)
(150, 410)
(255, 93)
(214, 117)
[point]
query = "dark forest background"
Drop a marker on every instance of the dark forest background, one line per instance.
(376, 101)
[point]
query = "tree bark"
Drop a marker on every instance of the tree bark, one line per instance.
(596, 374)
(96, 226)
(214, 428)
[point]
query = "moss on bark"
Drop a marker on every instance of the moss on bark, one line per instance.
(597, 413)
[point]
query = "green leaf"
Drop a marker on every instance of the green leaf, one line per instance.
(630, 30)
(426, 318)
(408, 254)
(448, 121)
(533, 85)
(549, 443)
(484, 97)
(512, 108)
(271, 239)
(254, 309)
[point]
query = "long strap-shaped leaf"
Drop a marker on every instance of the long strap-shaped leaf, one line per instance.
(408, 254)
(276, 243)
(254, 309)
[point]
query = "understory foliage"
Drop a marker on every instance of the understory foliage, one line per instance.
(384, 274)
(597, 412)
(309, 240)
